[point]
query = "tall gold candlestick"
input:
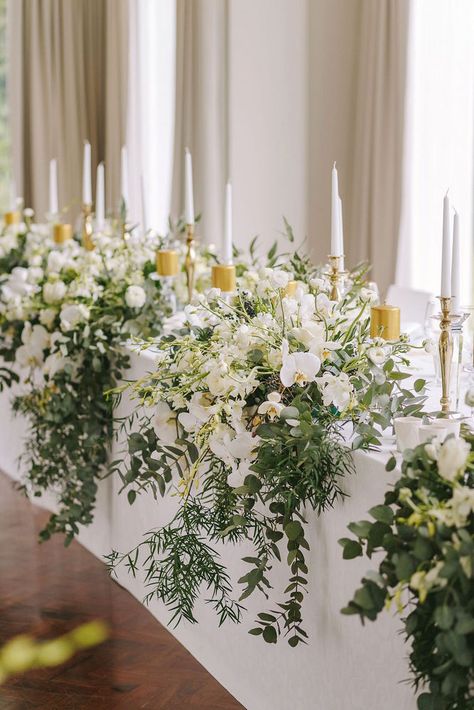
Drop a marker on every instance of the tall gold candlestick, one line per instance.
(190, 260)
(445, 352)
(336, 277)
(87, 229)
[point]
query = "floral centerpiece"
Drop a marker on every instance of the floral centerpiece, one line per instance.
(423, 535)
(246, 418)
(65, 312)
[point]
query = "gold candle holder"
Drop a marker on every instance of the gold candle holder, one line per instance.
(336, 277)
(167, 262)
(190, 260)
(12, 217)
(290, 288)
(223, 277)
(445, 346)
(62, 233)
(87, 228)
(385, 322)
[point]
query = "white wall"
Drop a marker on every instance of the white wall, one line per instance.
(268, 116)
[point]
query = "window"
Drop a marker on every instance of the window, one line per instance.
(150, 134)
(439, 150)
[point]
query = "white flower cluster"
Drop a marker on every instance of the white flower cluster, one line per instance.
(244, 361)
(60, 290)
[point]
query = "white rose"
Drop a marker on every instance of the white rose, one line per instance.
(54, 291)
(135, 297)
(279, 278)
(72, 315)
(452, 458)
(56, 261)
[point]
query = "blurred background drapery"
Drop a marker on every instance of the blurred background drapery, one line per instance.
(379, 120)
(268, 93)
(201, 109)
(68, 82)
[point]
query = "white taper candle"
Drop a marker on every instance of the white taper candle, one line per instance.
(336, 249)
(87, 175)
(144, 204)
(124, 175)
(188, 192)
(100, 197)
(456, 267)
(341, 234)
(53, 187)
(446, 251)
(227, 256)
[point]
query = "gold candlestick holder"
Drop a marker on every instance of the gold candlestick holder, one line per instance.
(87, 228)
(336, 277)
(445, 352)
(190, 260)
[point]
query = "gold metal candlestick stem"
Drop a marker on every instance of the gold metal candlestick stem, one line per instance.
(445, 352)
(336, 277)
(190, 260)
(87, 229)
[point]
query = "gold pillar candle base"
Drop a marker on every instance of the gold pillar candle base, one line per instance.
(290, 288)
(385, 322)
(190, 260)
(87, 228)
(445, 346)
(12, 217)
(62, 233)
(167, 263)
(336, 277)
(223, 277)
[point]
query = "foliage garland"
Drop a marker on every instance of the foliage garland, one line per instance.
(65, 313)
(250, 399)
(423, 536)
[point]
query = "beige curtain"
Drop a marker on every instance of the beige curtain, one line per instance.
(67, 83)
(376, 184)
(201, 110)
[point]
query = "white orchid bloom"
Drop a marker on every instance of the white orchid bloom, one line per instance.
(272, 406)
(164, 423)
(200, 410)
(377, 355)
(243, 446)
(309, 333)
(236, 477)
(298, 368)
(336, 390)
(452, 458)
(73, 315)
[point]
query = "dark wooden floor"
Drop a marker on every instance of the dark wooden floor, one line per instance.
(47, 590)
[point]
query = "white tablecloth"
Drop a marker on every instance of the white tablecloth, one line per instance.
(344, 666)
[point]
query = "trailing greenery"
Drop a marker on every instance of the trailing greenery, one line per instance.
(65, 314)
(423, 536)
(243, 422)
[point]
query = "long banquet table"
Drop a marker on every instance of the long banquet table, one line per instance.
(344, 666)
